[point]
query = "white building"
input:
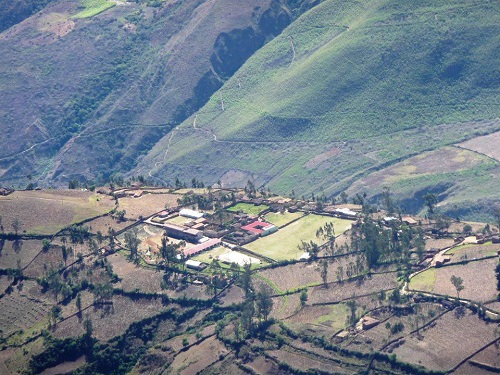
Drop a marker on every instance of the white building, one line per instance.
(186, 212)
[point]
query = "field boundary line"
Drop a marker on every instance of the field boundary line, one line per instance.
(415, 330)
(477, 152)
(464, 301)
(473, 354)
(349, 298)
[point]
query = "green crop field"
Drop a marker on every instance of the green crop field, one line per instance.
(284, 243)
(424, 281)
(248, 208)
(280, 219)
(336, 318)
(209, 256)
(93, 8)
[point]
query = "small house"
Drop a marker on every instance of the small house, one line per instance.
(366, 323)
(191, 214)
(408, 220)
(195, 265)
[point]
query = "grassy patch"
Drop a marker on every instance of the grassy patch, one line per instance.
(248, 208)
(336, 318)
(208, 256)
(92, 8)
(284, 243)
(270, 283)
(280, 219)
(424, 281)
(194, 190)
(179, 220)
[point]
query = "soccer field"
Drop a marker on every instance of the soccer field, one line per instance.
(284, 243)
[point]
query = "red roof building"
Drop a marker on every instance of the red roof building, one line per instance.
(260, 227)
(201, 247)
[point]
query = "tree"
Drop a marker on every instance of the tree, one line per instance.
(324, 272)
(430, 200)
(340, 274)
(264, 302)
(99, 237)
(420, 244)
(250, 189)
(246, 280)
(64, 252)
(247, 314)
(132, 243)
(458, 283)
(87, 326)
(310, 247)
(120, 215)
(496, 215)
(79, 303)
(303, 297)
(45, 245)
(344, 197)
(111, 237)
(167, 251)
(103, 293)
(497, 273)
(16, 225)
(352, 308)
(388, 203)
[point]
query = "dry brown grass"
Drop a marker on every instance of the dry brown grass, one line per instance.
(108, 324)
(347, 290)
(232, 295)
(48, 211)
(303, 274)
(19, 311)
(442, 345)
(134, 277)
(306, 361)
(379, 335)
(198, 357)
(262, 365)
(146, 205)
(23, 250)
(104, 223)
(443, 160)
(490, 355)
(468, 252)
(478, 279)
(487, 145)
(51, 259)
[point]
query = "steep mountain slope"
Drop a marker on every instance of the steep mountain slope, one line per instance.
(84, 92)
(348, 88)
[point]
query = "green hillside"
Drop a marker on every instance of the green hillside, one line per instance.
(346, 89)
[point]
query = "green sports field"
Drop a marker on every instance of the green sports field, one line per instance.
(284, 244)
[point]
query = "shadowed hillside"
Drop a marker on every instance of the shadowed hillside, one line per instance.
(105, 84)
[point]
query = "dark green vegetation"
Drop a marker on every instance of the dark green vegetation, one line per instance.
(16, 11)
